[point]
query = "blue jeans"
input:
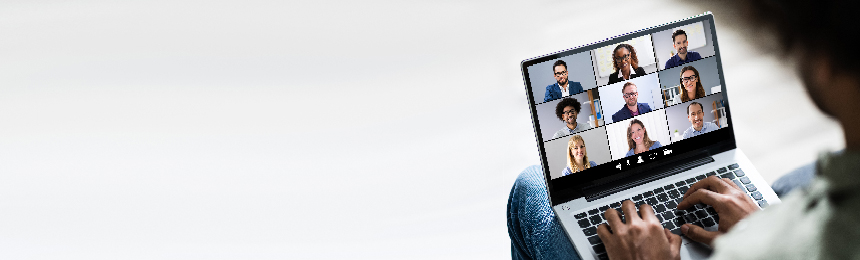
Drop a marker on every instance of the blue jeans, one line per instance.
(536, 234)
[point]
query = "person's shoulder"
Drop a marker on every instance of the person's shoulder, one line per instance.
(695, 55)
(592, 163)
(640, 70)
(655, 145)
(646, 106)
(687, 132)
(629, 153)
(712, 126)
(551, 86)
(575, 87)
(566, 171)
(617, 116)
(613, 78)
(559, 133)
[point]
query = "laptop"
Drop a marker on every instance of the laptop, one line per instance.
(641, 117)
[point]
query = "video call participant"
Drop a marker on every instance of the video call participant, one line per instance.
(638, 140)
(691, 86)
(631, 107)
(696, 117)
(679, 41)
(562, 86)
(576, 156)
(567, 110)
(626, 64)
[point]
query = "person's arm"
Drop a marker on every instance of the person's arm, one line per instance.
(728, 200)
(638, 238)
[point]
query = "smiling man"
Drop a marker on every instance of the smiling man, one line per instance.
(562, 86)
(567, 111)
(631, 107)
(696, 116)
(679, 42)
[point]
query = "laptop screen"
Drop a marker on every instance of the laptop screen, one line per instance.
(628, 104)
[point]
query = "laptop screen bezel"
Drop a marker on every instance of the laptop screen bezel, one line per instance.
(570, 187)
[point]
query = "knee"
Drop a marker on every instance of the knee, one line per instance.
(529, 195)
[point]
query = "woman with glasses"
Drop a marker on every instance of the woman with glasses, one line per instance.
(577, 157)
(626, 64)
(691, 86)
(637, 139)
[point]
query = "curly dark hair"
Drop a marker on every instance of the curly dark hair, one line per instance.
(567, 102)
(634, 61)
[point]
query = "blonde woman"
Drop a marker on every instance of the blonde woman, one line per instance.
(638, 140)
(576, 156)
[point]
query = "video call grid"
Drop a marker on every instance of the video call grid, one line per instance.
(604, 113)
(603, 108)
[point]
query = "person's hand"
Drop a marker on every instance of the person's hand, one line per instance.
(639, 238)
(730, 202)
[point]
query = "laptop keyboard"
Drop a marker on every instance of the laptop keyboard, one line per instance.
(664, 201)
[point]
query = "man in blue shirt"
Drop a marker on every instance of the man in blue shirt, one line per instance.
(696, 117)
(679, 41)
(631, 107)
(562, 87)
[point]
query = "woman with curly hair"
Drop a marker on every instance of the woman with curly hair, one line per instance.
(626, 64)
(577, 157)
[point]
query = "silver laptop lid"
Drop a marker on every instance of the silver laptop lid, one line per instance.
(629, 106)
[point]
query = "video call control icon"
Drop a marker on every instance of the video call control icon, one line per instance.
(667, 151)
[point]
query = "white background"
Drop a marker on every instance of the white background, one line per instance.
(307, 129)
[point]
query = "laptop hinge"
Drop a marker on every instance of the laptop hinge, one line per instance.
(605, 188)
